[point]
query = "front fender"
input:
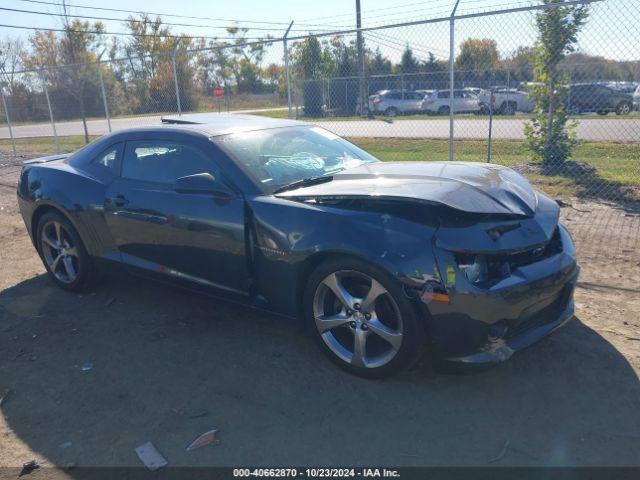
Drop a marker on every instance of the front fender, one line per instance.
(290, 238)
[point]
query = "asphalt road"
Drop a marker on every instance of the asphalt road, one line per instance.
(606, 129)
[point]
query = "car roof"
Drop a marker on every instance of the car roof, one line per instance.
(215, 124)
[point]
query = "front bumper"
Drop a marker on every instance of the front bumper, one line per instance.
(488, 326)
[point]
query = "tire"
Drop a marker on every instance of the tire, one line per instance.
(509, 108)
(390, 333)
(623, 108)
(575, 111)
(63, 252)
(391, 112)
(444, 110)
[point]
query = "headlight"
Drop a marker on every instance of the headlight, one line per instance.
(476, 271)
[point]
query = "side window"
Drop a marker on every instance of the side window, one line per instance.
(108, 158)
(163, 161)
(443, 94)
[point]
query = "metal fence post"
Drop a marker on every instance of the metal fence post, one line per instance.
(490, 126)
(451, 76)
(286, 67)
(175, 74)
(6, 113)
(104, 95)
(53, 123)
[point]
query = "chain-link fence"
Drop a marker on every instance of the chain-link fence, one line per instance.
(467, 86)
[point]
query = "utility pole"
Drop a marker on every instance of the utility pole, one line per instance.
(451, 75)
(361, 95)
(286, 66)
(175, 74)
(104, 94)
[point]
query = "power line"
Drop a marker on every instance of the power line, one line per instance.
(34, 12)
(281, 25)
(365, 13)
(129, 34)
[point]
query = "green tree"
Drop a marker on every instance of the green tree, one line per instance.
(76, 47)
(308, 62)
(408, 62)
(433, 65)
(548, 136)
(478, 59)
(379, 65)
(520, 64)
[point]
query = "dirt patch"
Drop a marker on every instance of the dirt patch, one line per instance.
(168, 366)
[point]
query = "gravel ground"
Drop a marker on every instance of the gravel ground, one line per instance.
(169, 365)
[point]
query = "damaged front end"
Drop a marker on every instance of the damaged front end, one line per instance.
(508, 284)
(485, 255)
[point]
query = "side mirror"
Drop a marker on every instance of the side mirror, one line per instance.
(204, 183)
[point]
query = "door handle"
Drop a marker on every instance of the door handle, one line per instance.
(118, 200)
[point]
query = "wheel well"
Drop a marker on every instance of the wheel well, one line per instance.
(37, 215)
(307, 267)
(311, 263)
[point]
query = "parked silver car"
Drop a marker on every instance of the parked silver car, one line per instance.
(395, 102)
(463, 101)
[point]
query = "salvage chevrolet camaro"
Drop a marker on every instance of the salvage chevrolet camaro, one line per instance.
(380, 259)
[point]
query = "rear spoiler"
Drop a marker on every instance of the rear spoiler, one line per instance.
(50, 158)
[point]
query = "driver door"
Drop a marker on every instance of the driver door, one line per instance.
(187, 236)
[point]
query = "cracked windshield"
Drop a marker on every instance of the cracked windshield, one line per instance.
(277, 157)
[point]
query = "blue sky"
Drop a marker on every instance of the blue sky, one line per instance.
(609, 33)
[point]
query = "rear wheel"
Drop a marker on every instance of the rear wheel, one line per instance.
(444, 110)
(361, 318)
(391, 112)
(62, 252)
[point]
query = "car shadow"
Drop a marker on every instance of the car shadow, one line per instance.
(94, 375)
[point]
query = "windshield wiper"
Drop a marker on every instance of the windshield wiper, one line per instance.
(305, 182)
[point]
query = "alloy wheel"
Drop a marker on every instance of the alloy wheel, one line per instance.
(60, 252)
(358, 319)
(624, 109)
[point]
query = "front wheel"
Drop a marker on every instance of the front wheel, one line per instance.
(623, 108)
(361, 318)
(62, 252)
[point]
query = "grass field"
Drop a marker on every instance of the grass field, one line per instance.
(599, 169)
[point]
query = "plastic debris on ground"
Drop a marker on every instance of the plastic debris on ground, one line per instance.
(207, 438)
(150, 456)
(28, 467)
(87, 366)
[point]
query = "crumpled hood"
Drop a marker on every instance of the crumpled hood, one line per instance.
(466, 186)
